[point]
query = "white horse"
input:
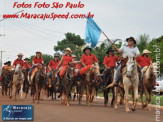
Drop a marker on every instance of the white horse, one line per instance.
(131, 81)
(18, 81)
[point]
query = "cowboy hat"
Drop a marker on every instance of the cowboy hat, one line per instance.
(38, 52)
(87, 48)
(26, 59)
(8, 62)
(74, 56)
(56, 55)
(68, 49)
(131, 39)
(20, 54)
(146, 51)
(109, 50)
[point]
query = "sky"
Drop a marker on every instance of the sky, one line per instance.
(119, 19)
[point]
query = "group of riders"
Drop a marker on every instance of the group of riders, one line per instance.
(85, 63)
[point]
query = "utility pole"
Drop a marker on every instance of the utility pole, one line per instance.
(1, 53)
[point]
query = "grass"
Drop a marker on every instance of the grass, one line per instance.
(154, 99)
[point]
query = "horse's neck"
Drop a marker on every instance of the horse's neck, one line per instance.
(149, 72)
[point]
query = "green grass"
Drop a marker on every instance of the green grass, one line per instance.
(153, 99)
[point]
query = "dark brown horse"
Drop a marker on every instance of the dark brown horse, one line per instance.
(67, 83)
(108, 79)
(6, 81)
(38, 83)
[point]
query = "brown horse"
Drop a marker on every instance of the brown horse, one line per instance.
(92, 81)
(149, 78)
(67, 82)
(38, 83)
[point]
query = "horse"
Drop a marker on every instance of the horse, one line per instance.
(38, 83)
(68, 81)
(108, 79)
(131, 81)
(92, 81)
(6, 81)
(149, 80)
(18, 81)
(26, 83)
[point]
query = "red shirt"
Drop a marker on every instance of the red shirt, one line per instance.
(67, 59)
(21, 62)
(110, 61)
(143, 61)
(37, 60)
(53, 64)
(78, 66)
(27, 65)
(88, 59)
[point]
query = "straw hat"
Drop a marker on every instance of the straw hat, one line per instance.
(68, 49)
(146, 51)
(20, 54)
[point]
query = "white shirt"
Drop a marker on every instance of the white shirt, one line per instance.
(130, 52)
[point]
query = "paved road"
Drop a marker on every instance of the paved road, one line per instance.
(52, 111)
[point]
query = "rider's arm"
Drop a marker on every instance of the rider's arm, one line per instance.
(116, 49)
(82, 60)
(49, 65)
(95, 59)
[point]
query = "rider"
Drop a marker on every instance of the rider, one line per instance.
(27, 64)
(7, 66)
(66, 58)
(19, 60)
(87, 60)
(37, 60)
(127, 51)
(77, 65)
(52, 66)
(144, 59)
(109, 61)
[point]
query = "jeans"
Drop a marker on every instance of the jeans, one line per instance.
(50, 74)
(30, 71)
(117, 73)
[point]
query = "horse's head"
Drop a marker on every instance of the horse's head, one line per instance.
(17, 69)
(70, 71)
(130, 65)
(88, 75)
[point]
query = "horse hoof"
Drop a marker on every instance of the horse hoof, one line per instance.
(10, 97)
(128, 110)
(149, 109)
(105, 105)
(116, 107)
(144, 106)
(133, 109)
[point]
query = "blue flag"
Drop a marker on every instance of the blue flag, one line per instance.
(93, 32)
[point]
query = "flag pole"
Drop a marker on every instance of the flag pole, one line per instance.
(107, 38)
(111, 42)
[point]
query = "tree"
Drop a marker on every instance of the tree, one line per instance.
(156, 47)
(143, 42)
(46, 58)
(73, 41)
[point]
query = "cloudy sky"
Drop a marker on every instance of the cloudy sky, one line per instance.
(117, 18)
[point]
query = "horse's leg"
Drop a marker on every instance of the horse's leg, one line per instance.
(135, 97)
(121, 91)
(37, 94)
(11, 92)
(21, 91)
(75, 91)
(92, 94)
(116, 95)
(41, 93)
(67, 97)
(141, 96)
(149, 100)
(126, 97)
(113, 98)
(146, 95)
(87, 94)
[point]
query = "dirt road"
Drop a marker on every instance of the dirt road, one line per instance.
(52, 111)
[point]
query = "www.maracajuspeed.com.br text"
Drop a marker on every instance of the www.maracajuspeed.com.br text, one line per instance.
(44, 16)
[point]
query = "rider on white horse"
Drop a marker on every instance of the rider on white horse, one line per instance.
(127, 51)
